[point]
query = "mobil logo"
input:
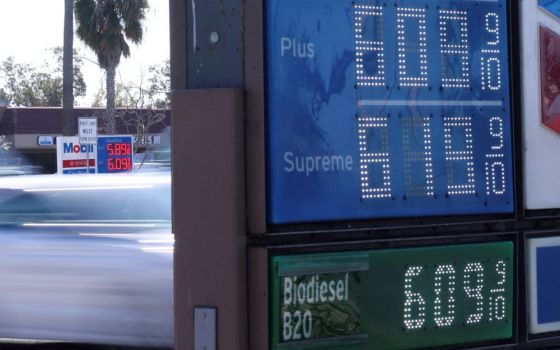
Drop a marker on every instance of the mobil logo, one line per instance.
(70, 147)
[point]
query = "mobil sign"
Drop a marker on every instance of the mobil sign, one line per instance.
(73, 157)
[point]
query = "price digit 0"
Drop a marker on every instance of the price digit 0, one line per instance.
(407, 48)
(446, 272)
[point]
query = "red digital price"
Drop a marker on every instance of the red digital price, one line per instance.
(119, 164)
(118, 149)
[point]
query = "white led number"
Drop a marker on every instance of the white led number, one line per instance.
(478, 304)
(497, 303)
(450, 49)
(473, 283)
(444, 273)
(374, 130)
(459, 160)
(492, 24)
(494, 167)
(406, 49)
(418, 150)
(414, 304)
(364, 46)
(490, 66)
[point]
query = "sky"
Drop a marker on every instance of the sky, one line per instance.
(29, 27)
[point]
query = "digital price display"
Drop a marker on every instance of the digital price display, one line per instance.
(114, 154)
(381, 109)
(394, 298)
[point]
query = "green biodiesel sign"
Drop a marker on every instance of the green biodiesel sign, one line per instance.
(393, 298)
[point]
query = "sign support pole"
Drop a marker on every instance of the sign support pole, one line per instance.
(209, 218)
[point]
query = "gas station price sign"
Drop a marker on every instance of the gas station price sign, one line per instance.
(394, 298)
(379, 109)
(114, 153)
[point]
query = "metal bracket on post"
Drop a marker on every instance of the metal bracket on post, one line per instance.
(205, 326)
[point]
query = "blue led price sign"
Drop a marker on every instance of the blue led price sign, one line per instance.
(381, 109)
(114, 154)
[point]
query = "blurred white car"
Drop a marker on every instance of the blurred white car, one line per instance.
(87, 258)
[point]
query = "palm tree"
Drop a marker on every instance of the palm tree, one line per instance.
(104, 26)
(68, 69)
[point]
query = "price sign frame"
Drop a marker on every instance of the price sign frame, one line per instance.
(548, 242)
(541, 137)
(279, 160)
(359, 250)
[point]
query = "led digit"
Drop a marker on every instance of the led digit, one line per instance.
(474, 275)
(363, 46)
(458, 130)
(492, 26)
(110, 149)
(371, 128)
(494, 166)
(418, 150)
(414, 302)
(490, 65)
(491, 71)
(446, 272)
(497, 131)
(450, 49)
(406, 48)
(497, 302)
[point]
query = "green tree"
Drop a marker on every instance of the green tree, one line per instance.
(23, 84)
(70, 127)
(104, 26)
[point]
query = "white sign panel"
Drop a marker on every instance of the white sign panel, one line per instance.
(87, 130)
(543, 259)
(541, 95)
(75, 158)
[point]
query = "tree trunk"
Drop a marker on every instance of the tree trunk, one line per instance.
(70, 127)
(110, 120)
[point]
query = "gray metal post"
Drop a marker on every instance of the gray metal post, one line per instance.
(213, 99)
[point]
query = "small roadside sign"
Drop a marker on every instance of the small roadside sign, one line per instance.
(87, 131)
(45, 140)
